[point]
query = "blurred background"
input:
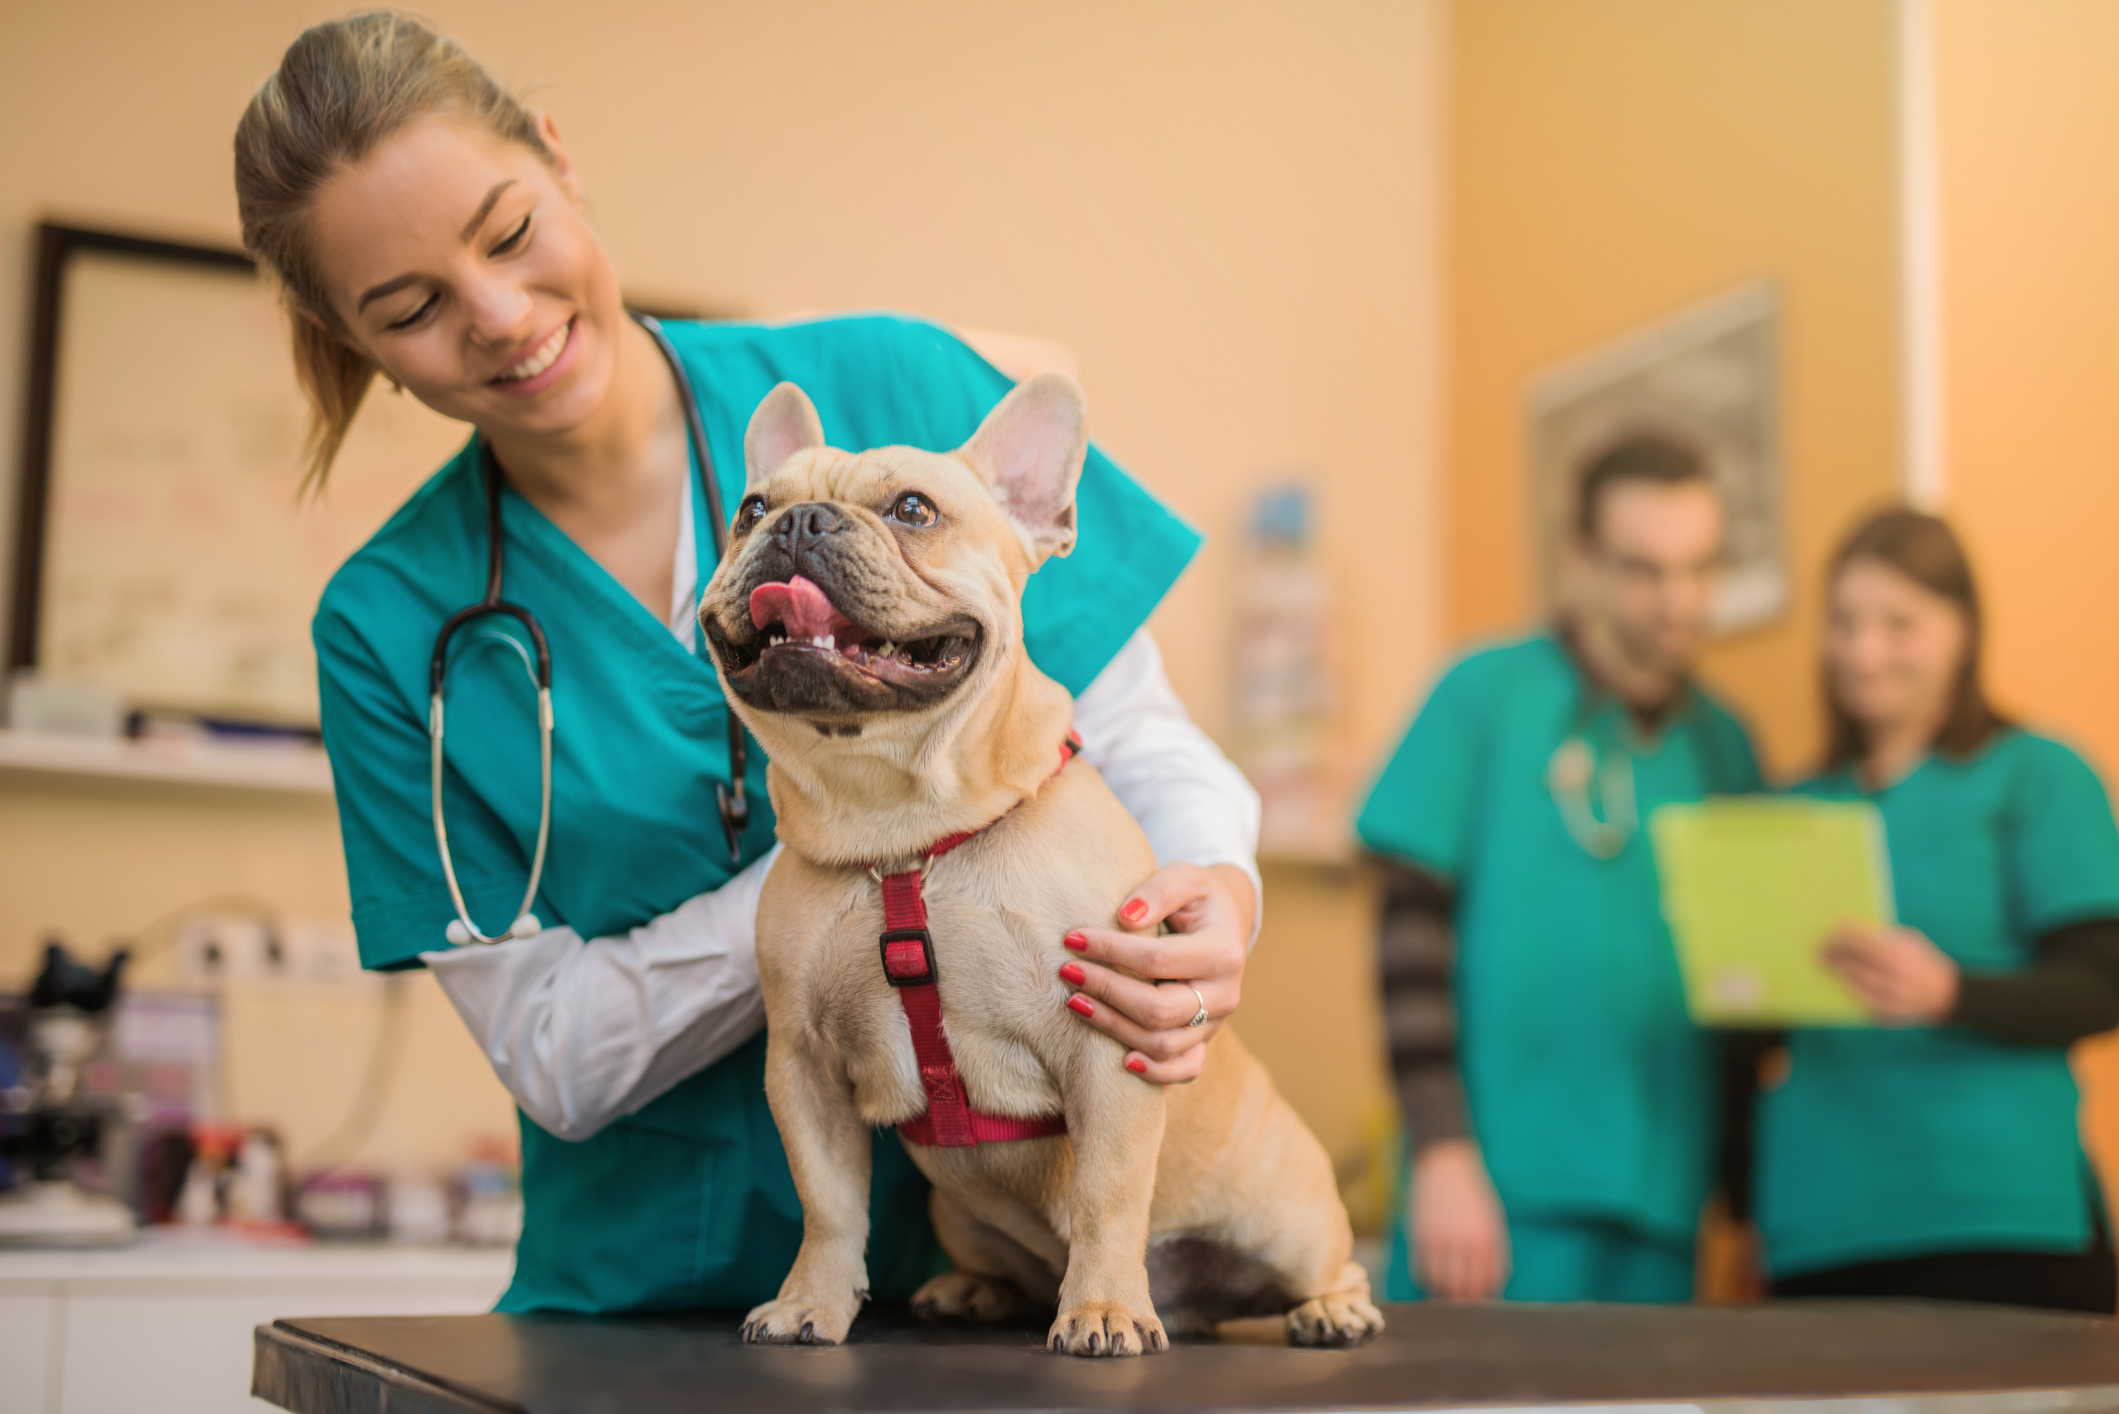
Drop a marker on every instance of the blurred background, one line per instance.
(1311, 263)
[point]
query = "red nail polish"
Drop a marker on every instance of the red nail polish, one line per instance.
(1077, 942)
(1081, 1005)
(1136, 1065)
(1134, 911)
(1073, 975)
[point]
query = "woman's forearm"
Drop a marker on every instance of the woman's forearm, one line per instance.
(2070, 991)
(1192, 803)
(582, 1033)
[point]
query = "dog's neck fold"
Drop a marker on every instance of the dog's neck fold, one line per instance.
(886, 796)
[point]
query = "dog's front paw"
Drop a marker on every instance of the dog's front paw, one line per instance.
(966, 1296)
(1106, 1328)
(1337, 1318)
(792, 1321)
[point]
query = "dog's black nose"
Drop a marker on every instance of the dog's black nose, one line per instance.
(804, 525)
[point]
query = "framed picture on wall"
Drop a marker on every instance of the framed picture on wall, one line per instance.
(1707, 377)
(163, 550)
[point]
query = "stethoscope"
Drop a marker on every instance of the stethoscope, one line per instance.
(735, 809)
(1576, 764)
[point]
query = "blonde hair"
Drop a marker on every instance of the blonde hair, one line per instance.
(341, 89)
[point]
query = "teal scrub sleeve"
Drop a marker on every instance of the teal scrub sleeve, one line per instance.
(380, 766)
(2063, 847)
(1421, 809)
(1080, 610)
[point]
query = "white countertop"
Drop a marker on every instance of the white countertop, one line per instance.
(181, 1260)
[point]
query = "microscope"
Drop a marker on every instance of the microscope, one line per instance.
(51, 1118)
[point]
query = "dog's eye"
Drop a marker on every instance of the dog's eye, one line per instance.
(750, 512)
(912, 508)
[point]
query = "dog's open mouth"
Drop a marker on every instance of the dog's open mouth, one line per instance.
(798, 631)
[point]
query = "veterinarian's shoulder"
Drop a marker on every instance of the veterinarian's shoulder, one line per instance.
(407, 561)
(876, 378)
(1487, 675)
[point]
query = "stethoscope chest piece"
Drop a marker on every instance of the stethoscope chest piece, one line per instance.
(1570, 771)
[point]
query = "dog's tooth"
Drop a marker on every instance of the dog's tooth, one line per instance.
(888, 650)
(831, 642)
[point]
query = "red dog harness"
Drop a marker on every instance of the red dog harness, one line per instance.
(908, 965)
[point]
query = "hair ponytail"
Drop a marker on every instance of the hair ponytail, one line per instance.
(340, 90)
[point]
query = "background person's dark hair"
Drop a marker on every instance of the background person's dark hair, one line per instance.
(1925, 550)
(1640, 457)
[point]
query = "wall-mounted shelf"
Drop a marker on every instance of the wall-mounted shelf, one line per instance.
(289, 769)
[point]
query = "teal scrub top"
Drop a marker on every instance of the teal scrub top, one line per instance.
(1888, 1143)
(1591, 1092)
(688, 1202)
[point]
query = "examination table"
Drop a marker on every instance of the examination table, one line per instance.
(1842, 1357)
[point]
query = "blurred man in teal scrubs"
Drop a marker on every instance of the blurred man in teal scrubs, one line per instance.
(1559, 1103)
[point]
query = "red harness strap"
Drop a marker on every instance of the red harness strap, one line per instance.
(908, 965)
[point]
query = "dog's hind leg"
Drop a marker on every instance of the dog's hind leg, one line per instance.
(995, 1275)
(827, 1145)
(1342, 1316)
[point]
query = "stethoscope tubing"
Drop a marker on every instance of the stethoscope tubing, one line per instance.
(733, 804)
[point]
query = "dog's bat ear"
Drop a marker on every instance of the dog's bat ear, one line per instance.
(1031, 448)
(784, 424)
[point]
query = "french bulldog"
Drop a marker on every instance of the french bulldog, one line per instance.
(867, 627)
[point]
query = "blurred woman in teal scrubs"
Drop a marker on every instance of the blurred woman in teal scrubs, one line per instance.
(1937, 1154)
(425, 226)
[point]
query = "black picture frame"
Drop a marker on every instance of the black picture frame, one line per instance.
(55, 246)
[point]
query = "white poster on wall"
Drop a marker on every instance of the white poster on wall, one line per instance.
(1707, 377)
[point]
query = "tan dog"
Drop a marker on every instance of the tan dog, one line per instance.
(868, 626)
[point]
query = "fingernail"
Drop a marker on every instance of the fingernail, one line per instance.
(1073, 974)
(1134, 911)
(1081, 1005)
(1136, 1065)
(1077, 942)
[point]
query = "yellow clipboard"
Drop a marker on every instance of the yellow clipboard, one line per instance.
(1751, 886)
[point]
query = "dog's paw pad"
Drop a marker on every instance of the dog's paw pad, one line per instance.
(1340, 1319)
(787, 1322)
(966, 1296)
(1106, 1328)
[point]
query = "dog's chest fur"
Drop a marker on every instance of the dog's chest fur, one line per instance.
(997, 909)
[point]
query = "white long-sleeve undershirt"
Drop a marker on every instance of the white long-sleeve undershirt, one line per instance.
(584, 1032)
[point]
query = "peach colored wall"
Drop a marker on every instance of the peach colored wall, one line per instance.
(2028, 140)
(1612, 163)
(1229, 211)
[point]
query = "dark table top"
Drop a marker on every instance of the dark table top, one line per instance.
(1956, 1358)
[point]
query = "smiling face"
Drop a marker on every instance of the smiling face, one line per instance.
(887, 582)
(1894, 649)
(460, 264)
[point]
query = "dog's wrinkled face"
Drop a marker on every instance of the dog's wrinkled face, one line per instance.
(889, 581)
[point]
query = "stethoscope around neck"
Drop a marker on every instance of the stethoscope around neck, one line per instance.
(537, 662)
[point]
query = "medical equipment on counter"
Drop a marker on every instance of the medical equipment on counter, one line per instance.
(60, 1119)
(735, 809)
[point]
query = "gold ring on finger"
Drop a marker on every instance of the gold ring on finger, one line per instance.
(1199, 1018)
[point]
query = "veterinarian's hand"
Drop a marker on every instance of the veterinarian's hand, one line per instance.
(1460, 1237)
(1209, 912)
(1901, 977)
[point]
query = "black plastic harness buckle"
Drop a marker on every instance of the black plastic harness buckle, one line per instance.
(908, 935)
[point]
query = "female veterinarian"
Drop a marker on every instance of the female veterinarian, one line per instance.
(1937, 1155)
(425, 226)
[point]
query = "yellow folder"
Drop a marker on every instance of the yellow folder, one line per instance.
(1751, 886)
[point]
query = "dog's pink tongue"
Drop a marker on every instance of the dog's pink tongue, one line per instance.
(797, 605)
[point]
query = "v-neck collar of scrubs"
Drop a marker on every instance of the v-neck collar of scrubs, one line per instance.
(610, 602)
(1597, 703)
